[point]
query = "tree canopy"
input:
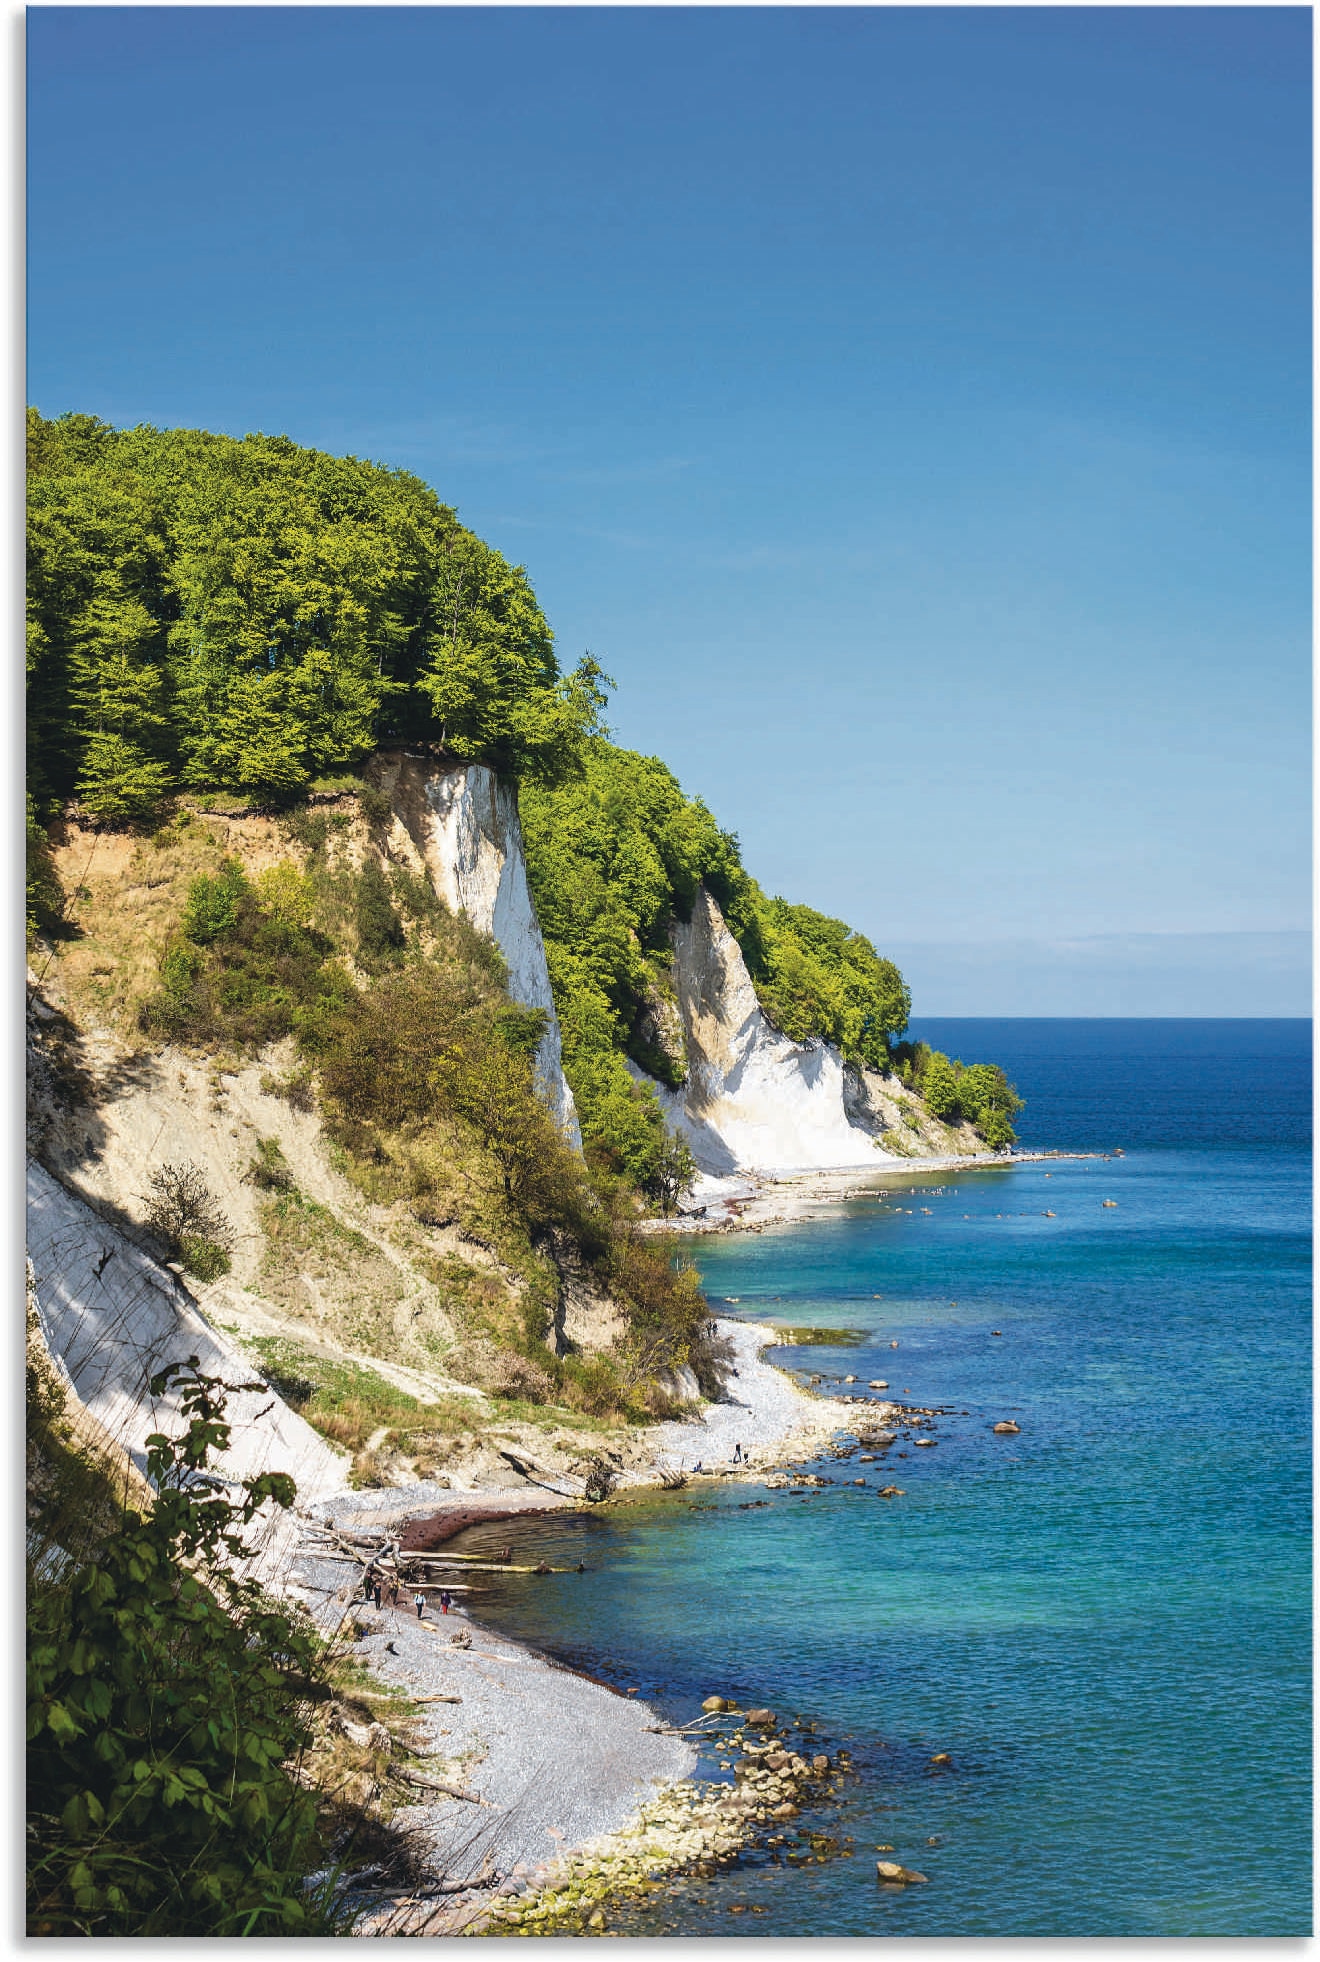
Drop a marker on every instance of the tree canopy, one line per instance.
(248, 615)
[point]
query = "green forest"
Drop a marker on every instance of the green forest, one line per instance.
(210, 614)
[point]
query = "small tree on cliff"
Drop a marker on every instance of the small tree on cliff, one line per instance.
(674, 1175)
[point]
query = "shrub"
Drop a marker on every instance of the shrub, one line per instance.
(183, 1212)
(269, 1170)
(379, 931)
(164, 1718)
(213, 904)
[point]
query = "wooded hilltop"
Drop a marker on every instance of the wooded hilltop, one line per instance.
(211, 615)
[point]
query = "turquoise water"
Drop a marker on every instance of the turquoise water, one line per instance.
(1104, 1621)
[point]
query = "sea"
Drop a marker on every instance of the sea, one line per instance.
(1102, 1622)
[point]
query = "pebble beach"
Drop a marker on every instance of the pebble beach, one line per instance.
(558, 1768)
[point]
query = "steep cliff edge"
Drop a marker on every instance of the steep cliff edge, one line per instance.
(754, 1100)
(459, 824)
(402, 1306)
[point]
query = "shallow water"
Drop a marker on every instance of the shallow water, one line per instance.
(1104, 1621)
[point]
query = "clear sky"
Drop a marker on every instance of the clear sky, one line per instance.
(909, 407)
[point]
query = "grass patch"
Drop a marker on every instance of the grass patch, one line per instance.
(317, 1267)
(349, 1405)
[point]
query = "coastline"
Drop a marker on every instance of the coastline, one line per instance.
(574, 1781)
(753, 1200)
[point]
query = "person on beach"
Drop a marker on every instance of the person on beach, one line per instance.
(368, 1583)
(419, 1602)
(379, 1590)
(394, 1592)
(737, 1451)
(445, 1600)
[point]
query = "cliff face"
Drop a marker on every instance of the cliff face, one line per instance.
(345, 1281)
(754, 1100)
(460, 825)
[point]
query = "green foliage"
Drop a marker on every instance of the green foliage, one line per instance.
(819, 978)
(161, 1719)
(674, 1175)
(213, 904)
(251, 616)
(613, 859)
(429, 1045)
(45, 895)
(939, 1088)
(183, 1214)
(244, 972)
(978, 1093)
(269, 1170)
(379, 929)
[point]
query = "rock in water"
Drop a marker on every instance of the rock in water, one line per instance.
(760, 1719)
(715, 1703)
(894, 1875)
(1007, 1429)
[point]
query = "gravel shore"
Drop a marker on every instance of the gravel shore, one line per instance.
(556, 1760)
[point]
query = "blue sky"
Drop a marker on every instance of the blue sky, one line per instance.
(910, 408)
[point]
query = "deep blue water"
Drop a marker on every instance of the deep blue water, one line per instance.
(1104, 1621)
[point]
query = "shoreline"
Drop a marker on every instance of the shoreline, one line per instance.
(754, 1200)
(575, 1774)
(592, 1792)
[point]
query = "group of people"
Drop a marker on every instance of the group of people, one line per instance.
(376, 1583)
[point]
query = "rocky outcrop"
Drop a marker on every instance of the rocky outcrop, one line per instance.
(755, 1100)
(459, 823)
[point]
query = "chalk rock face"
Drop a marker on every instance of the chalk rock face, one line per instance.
(753, 1099)
(462, 823)
(111, 1317)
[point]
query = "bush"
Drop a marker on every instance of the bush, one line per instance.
(183, 1212)
(213, 904)
(379, 930)
(164, 1719)
(269, 1170)
(205, 1260)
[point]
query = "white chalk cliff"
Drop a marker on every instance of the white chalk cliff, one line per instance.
(753, 1100)
(112, 1317)
(462, 824)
